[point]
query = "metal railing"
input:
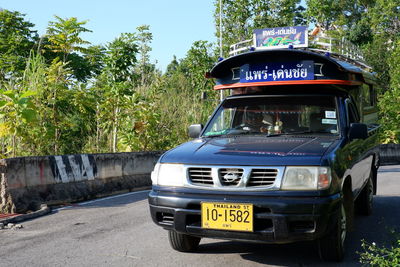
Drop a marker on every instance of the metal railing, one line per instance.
(240, 47)
(339, 47)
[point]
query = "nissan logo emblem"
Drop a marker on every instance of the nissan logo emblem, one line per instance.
(230, 177)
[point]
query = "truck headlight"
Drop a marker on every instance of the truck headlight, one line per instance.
(168, 174)
(306, 178)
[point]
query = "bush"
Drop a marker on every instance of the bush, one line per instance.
(389, 105)
(381, 256)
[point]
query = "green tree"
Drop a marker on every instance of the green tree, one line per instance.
(178, 95)
(64, 36)
(277, 13)
(384, 19)
(324, 12)
(16, 40)
(241, 17)
(65, 108)
(390, 101)
(94, 57)
(17, 112)
(140, 127)
(199, 60)
(57, 88)
(144, 39)
(64, 41)
(78, 108)
(172, 67)
(115, 84)
(121, 57)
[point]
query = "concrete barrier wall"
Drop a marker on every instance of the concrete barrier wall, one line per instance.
(27, 182)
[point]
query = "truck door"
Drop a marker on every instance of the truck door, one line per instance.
(358, 148)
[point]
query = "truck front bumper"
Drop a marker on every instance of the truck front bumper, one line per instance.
(277, 219)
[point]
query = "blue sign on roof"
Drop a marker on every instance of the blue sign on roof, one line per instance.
(269, 72)
(281, 37)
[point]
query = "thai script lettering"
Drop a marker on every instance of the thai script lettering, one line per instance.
(256, 75)
(289, 72)
(279, 31)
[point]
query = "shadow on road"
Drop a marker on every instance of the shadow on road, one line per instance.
(281, 255)
(112, 201)
(375, 228)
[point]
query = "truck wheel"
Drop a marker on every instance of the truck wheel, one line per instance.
(364, 201)
(182, 242)
(331, 246)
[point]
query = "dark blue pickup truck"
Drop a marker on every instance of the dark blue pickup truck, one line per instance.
(290, 155)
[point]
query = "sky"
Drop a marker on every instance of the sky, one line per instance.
(175, 24)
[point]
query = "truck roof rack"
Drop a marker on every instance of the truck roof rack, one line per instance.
(341, 49)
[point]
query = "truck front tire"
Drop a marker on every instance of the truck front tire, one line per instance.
(183, 242)
(364, 201)
(331, 246)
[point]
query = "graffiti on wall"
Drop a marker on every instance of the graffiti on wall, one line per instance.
(73, 168)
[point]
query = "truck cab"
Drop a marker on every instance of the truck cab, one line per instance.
(288, 156)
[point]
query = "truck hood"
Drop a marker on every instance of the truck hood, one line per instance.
(251, 150)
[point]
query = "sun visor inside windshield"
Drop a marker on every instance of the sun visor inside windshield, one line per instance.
(271, 100)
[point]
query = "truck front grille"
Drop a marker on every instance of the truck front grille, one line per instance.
(200, 176)
(262, 177)
(235, 178)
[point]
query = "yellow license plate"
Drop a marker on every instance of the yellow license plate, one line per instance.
(227, 216)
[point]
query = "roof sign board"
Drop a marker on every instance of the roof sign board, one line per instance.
(272, 67)
(288, 71)
(271, 38)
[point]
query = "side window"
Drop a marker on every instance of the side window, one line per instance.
(369, 104)
(368, 96)
(372, 95)
(357, 99)
(353, 114)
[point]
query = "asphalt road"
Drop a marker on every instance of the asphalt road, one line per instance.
(118, 231)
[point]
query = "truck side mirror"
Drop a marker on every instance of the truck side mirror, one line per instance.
(358, 131)
(195, 130)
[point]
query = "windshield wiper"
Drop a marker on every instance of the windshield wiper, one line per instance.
(242, 132)
(235, 133)
(219, 135)
(300, 132)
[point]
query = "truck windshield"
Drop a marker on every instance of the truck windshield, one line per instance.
(275, 115)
